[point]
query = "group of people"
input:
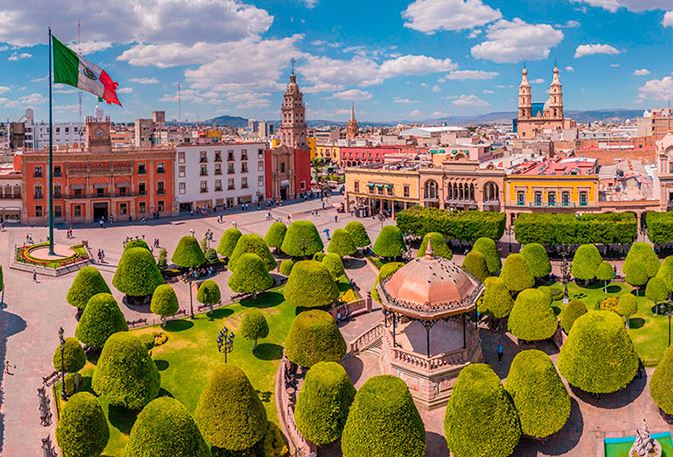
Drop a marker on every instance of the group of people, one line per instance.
(101, 256)
(131, 238)
(68, 233)
(194, 274)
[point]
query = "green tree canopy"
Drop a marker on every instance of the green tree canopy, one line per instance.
(598, 356)
(490, 252)
(497, 299)
(228, 242)
(661, 385)
(358, 233)
(86, 284)
(314, 337)
(211, 256)
(209, 293)
(188, 253)
(137, 274)
(250, 276)
(532, 318)
(162, 260)
(136, 243)
(319, 256)
(164, 302)
(334, 265)
(254, 326)
(74, 357)
(275, 235)
(251, 243)
(323, 403)
(341, 243)
(390, 242)
(537, 259)
(310, 285)
(586, 262)
(515, 274)
(301, 240)
(100, 319)
(82, 430)
(656, 290)
(229, 413)
(439, 246)
(386, 271)
(570, 313)
(666, 272)
(164, 428)
(454, 225)
(640, 262)
(383, 421)
(286, 266)
(480, 418)
(605, 273)
(475, 264)
(125, 374)
(627, 305)
(538, 393)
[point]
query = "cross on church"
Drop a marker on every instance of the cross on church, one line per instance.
(292, 61)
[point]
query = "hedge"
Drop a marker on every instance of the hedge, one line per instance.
(275, 235)
(334, 265)
(537, 259)
(390, 242)
(358, 233)
(454, 225)
(250, 275)
(164, 428)
(137, 274)
(251, 243)
(438, 244)
(659, 226)
(383, 421)
(515, 274)
(475, 264)
(188, 253)
(101, 318)
(480, 418)
(532, 318)
(341, 243)
(86, 284)
(286, 266)
(571, 313)
(125, 374)
(323, 402)
(570, 228)
(489, 250)
(302, 239)
(229, 413)
(586, 262)
(661, 385)
(310, 285)
(254, 326)
(228, 242)
(82, 430)
(496, 299)
(598, 356)
(74, 357)
(539, 396)
(314, 337)
(386, 271)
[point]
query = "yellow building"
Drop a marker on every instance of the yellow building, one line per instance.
(311, 142)
(371, 189)
(328, 152)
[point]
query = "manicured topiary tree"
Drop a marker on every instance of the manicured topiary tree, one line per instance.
(539, 396)
(661, 385)
(438, 244)
(641, 264)
(480, 418)
(86, 284)
(100, 319)
(319, 256)
(126, 374)
(254, 326)
(390, 242)
(334, 265)
(229, 413)
(137, 274)
(188, 253)
(136, 243)
(341, 243)
(301, 240)
(627, 306)
(164, 428)
(496, 299)
(515, 274)
(606, 274)
(162, 260)
(74, 357)
(358, 234)
(323, 403)
(251, 243)
(286, 266)
(586, 262)
(532, 318)
(164, 302)
(211, 256)
(490, 251)
(82, 430)
(598, 356)
(209, 293)
(385, 272)
(475, 264)
(570, 313)
(537, 259)
(656, 290)
(666, 272)
(383, 421)
(250, 276)
(314, 337)
(275, 235)
(310, 285)
(228, 242)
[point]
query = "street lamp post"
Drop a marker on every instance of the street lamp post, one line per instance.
(509, 233)
(191, 293)
(61, 339)
(565, 272)
(225, 342)
(665, 309)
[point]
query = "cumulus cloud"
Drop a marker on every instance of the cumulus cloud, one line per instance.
(537, 81)
(641, 72)
(470, 101)
(144, 80)
(8, 103)
(635, 6)
(429, 16)
(19, 56)
(89, 47)
(569, 69)
(125, 90)
(516, 40)
(667, 21)
(415, 113)
(584, 50)
(401, 101)
(353, 95)
(470, 74)
(656, 89)
(33, 99)
(4, 90)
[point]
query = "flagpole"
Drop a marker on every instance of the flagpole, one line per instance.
(50, 183)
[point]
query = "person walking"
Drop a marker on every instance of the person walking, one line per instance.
(34, 275)
(500, 350)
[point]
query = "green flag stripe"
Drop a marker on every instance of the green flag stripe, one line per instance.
(66, 64)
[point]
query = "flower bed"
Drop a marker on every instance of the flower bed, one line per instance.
(23, 255)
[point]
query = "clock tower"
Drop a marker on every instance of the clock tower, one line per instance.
(98, 134)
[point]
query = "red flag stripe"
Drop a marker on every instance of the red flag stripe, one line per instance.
(109, 88)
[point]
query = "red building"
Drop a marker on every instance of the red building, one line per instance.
(351, 156)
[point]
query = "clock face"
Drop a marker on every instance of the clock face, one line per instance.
(99, 133)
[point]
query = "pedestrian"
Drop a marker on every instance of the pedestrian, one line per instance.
(191, 231)
(501, 350)
(336, 218)
(7, 367)
(102, 253)
(34, 275)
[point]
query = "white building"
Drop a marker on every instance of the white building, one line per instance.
(221, 175)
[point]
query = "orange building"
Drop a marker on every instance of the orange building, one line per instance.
(99, 182)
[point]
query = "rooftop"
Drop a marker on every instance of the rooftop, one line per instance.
(572, 166)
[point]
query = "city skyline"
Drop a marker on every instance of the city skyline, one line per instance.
(394, 60)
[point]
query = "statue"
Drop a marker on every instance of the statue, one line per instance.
(645, 445)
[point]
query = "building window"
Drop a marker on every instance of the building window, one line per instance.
(537, 198)
(302, 185)
(521, 198)
(57, 191)
(204, 170)
(142, 207)
(141, 189)
(230, 155)
(230, 184)
(406, 190)
(282, 167)
(141, 169)
(37, 172)
(244, 154)
(260, 165)
(123, 191)
(218, 156)
(390, 190)
(203, 157)
(218, 168)
(77, 210)
(161, 188)
(244, 182)
(565, 198)
(204, 187)
(58, 212)
(38, 211)
(244, 167)
(182, 188)
(218, 185)
(260, 153)
(181, 157)
(57, 171)
(584, 198)
(356, 186)
(260, 181)
(181, 171)
(123, 209)
(77, 192)
(160, 206)
(160, 168)
(100, 192)
(230, 169)
(38, 193)
(551, 198)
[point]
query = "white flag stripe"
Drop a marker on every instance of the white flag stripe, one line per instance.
(88, 77)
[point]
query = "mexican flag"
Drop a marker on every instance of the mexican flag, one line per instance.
(73, 70)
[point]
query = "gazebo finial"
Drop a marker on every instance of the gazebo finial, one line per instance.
(429, 253)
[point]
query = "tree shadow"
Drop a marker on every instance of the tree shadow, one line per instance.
(268, 351)
(162, 364)
(178, 325)
(93, 356)
(122, 418)
(265, 300)
(613, 289)
(561, 442)
(264, 396)
(636, 322)
(618, 399)
(352, 263)
(435, 445)
(354, 367)
(221, 313)
(164, 393)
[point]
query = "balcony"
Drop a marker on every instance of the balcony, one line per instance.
(218, 173)
(37, 174)
(97, 195)
(101, 170)
(203, 160)
(204, 191)
(161, 191)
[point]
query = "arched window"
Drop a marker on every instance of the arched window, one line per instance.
(430, 189)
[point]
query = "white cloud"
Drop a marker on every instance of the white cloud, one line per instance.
(474, 33)
(635, 6)
(436, 89)
(19, 56)
(310, 3)
(125, 90)
(63, 89)
(8, 103)
(569, 69)
(470, 101)
(641, 72)
(471, 74)
(144, 80)
(436, 114)
(584, 50)
(488, 91)
(353, 95)
(667, 21)
(615, 65)
(33, 99)
(4, 89)
(89, 47)
(428, 16)
(415, 113)
(414, 65)
(404, 101)
(514, 41)
(537, 81)
(39, 80)
(656, 89)
(570, 24)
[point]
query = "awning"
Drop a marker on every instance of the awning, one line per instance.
(77, 186)
(370, 184)
(123, 184)
(379, 186)
(389, 186)
(100, 186)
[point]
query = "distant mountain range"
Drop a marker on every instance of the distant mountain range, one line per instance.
(489, 118)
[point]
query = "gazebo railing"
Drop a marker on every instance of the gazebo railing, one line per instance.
(368, 339)
(456, 357)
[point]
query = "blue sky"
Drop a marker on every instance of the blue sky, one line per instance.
(395, 59)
